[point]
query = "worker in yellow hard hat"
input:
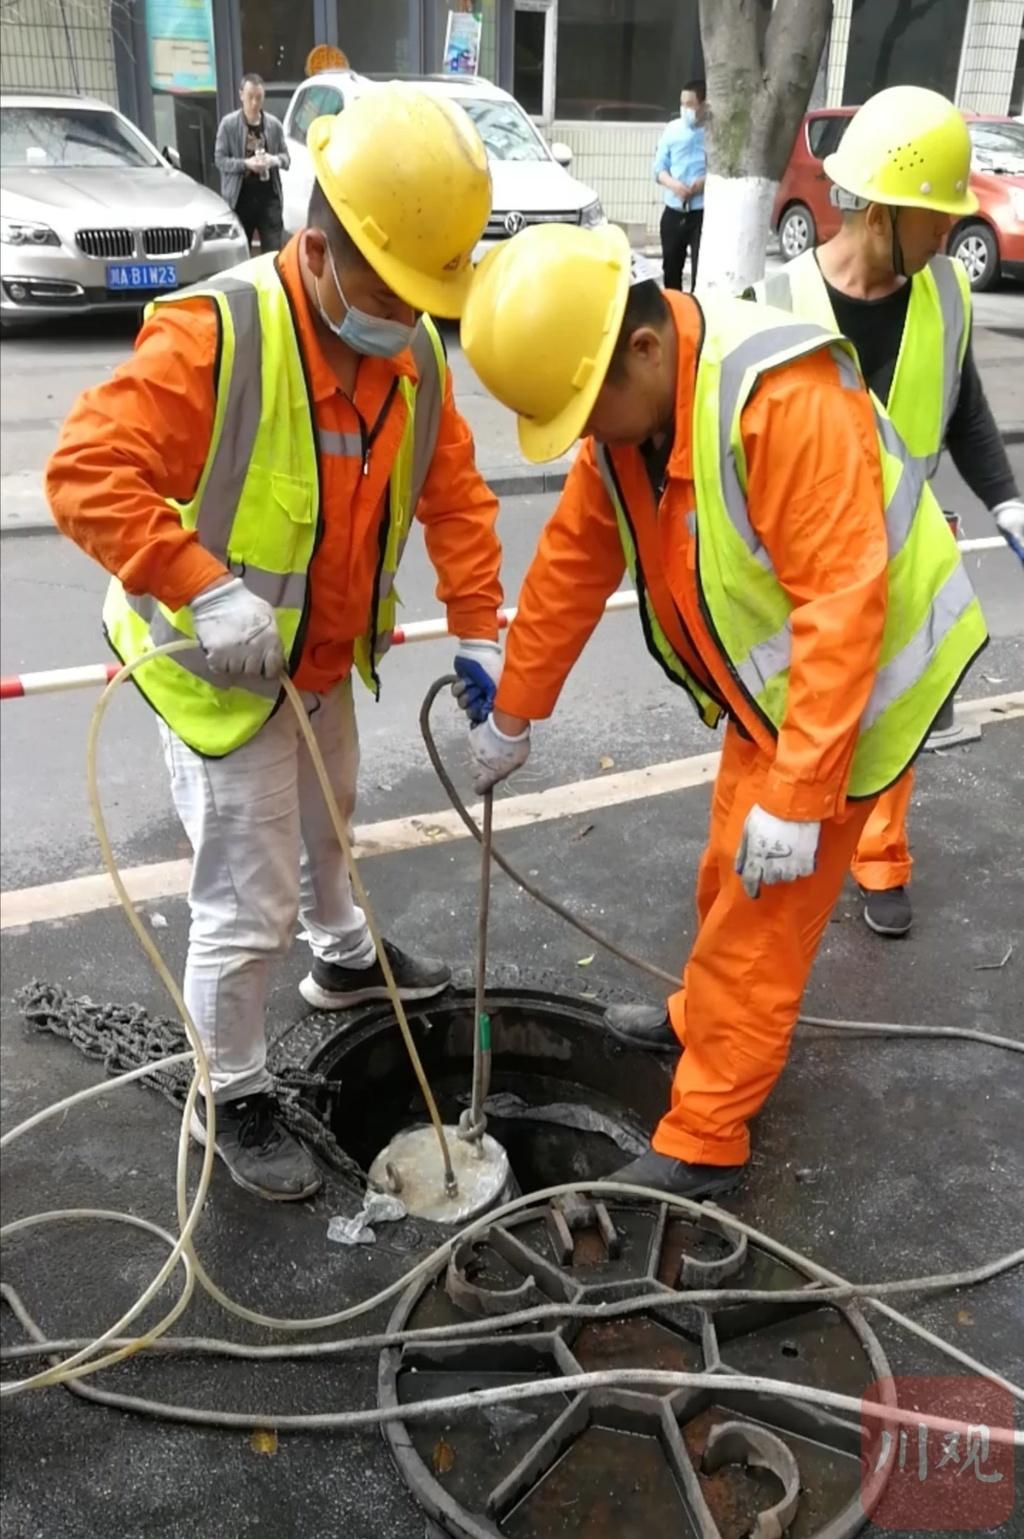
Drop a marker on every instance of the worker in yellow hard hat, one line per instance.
(902, 179)
(249, 478)
(735, 466)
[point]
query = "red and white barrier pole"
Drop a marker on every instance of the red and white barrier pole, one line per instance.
(52, 680)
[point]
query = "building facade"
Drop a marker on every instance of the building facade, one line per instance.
(600, 75)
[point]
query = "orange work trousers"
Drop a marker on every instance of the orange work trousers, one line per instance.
(882, 859)
(747, 971)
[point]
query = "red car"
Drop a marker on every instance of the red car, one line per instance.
(990, 243)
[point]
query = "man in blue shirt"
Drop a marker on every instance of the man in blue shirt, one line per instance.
(680, 167)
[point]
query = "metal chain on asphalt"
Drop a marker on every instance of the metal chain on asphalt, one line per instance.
(126, 1037)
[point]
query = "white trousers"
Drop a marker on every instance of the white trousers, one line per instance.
(265, 853)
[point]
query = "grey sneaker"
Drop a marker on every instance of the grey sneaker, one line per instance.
(887, 912)
(260, 1153)
(332, 987)
(644, 1026)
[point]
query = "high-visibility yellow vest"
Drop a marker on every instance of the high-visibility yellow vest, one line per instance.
(934, 626)
(926, 381)
(257, 508)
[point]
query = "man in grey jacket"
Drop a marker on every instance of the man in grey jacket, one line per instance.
(249, 155)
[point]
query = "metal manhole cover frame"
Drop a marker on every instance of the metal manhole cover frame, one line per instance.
(674, 1407)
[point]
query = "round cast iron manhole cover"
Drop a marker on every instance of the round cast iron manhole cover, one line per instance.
(622, 1462)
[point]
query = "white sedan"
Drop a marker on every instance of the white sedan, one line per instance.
(531, 183)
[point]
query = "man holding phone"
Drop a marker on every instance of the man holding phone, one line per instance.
(250, 154)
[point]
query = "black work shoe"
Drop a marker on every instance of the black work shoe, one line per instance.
(332, 987)
(646, 1026)
(887, 912)
(661, 1173)
(257, 1148)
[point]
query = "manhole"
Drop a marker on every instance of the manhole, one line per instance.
(621, 1463)
(567, 1103)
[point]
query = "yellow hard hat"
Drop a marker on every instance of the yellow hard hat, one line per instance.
(907, 147)
(540, 326)
(407, 175)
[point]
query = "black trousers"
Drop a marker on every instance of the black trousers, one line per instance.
(680, 232)
(262, 215)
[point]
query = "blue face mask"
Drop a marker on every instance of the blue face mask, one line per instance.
(689, 117)
(372, 335)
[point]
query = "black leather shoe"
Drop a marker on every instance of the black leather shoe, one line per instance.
(332, 987)
(661, 1173)
(887, 912)
(645, 1026)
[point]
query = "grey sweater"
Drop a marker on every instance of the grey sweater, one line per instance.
(229, 153)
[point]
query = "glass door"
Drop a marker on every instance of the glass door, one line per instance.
(534, 45)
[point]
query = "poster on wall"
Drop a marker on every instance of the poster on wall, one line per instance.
(181, 45)
(462, 43)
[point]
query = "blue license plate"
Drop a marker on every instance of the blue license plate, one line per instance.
(142, 275)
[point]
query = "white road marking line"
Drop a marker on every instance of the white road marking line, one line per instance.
(79, 895)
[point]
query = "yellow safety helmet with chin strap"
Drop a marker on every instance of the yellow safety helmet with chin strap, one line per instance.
(907, 147)
(407, 175)
(569, 286)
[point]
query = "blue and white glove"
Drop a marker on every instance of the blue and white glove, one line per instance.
(1009, 517)
(774, 850)
(495, 754)
(478, 670)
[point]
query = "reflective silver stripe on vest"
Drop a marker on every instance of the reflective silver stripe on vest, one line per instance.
(161, 631)
(755, 350)
(904, 670)
(954, 323)
(242, 410)
(901, 509)
(429, 403)
(765, 660)
(347, 446)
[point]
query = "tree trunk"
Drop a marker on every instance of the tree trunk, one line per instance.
(760, 72)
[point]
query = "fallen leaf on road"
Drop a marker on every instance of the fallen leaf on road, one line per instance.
(443, 1457)
(263, 1440)
(605, 763)
(581, 833)
(585, 961)
(964, 1317)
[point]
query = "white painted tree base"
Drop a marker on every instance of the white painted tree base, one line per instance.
(737, 218)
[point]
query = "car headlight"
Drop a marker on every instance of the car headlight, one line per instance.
(222, 229)
(592, 215)
(1017, 202)
(26, 232)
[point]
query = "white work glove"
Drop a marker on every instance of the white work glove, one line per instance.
(237, 631)
(495, 754)
(1009, 517)
(774, 850)
(478, 670)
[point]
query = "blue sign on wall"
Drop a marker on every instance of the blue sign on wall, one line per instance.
(181, 45)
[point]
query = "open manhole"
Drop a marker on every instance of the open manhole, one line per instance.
(569, 1104)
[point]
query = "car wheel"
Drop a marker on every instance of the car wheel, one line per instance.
(975, 246)
(796, 231)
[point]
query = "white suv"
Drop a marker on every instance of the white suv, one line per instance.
(531, 184)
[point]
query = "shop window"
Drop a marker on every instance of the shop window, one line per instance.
(625, 60)
(277, 35)
(904, 42)
(376, 35)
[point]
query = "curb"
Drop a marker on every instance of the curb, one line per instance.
(511, 482)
